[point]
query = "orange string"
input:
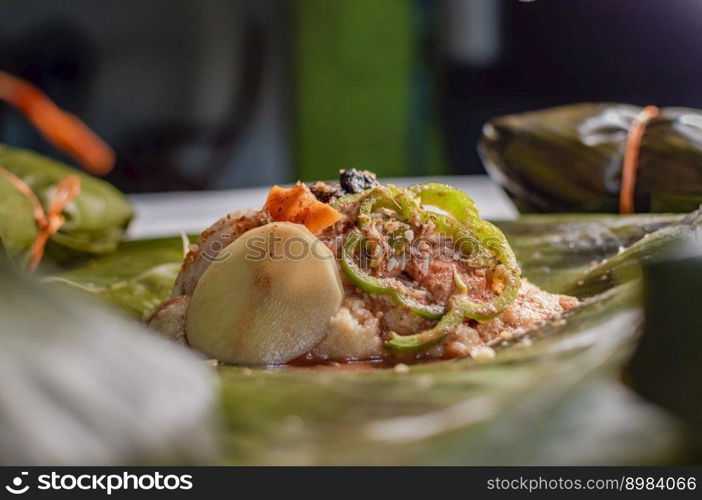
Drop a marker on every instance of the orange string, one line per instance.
(60, 128)
(48, 223)
(631, 158)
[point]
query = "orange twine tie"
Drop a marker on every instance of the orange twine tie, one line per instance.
(64, 130)
(48, 223)
(631, 158)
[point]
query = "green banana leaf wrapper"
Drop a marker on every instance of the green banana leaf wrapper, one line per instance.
(554, 398)
(569, 158)
(95, 221)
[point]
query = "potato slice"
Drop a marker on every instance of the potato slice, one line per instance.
(267, 298)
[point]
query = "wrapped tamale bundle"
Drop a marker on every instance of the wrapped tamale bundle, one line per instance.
(597, 157)
(92, 220)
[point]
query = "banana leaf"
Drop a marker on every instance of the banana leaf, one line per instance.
(95, 221)
(555, 397)
(136, 278)
(569, 158)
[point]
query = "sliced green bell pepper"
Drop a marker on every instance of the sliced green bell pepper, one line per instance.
(481, 243)
(460, 308)
(449, 199)
(381, 286)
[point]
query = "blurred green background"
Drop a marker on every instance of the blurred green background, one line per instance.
(363, 95)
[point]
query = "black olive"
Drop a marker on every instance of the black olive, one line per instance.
(355, 181)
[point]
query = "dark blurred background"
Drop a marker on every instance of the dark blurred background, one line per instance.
(226, 93)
